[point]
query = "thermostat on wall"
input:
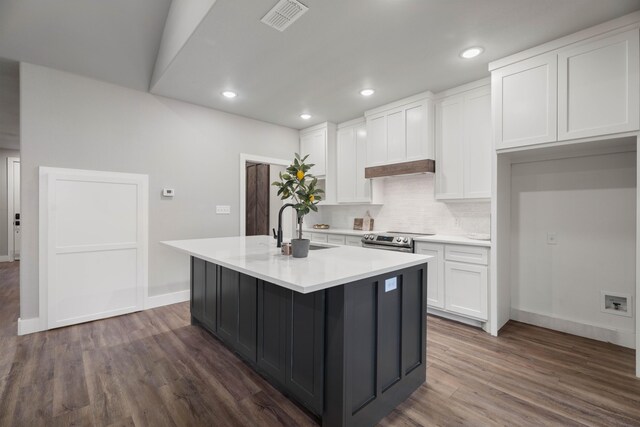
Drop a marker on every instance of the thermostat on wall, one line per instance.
(168, 192)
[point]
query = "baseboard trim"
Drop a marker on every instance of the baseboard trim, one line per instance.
(619, 337)
(454, 317)
(5, 258)
(29, 326)
(167, 299)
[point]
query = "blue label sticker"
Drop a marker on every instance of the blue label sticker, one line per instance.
(391, 284)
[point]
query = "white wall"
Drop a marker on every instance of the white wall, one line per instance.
(409, 205)
(74, 122)
(590, 202)
(4, 242)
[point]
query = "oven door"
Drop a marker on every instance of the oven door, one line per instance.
(386, 247)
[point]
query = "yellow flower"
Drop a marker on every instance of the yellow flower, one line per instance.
(300, 175)
(311, 198)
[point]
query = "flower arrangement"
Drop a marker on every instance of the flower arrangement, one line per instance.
(297, 184)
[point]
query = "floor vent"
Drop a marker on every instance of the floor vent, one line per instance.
(283, 14)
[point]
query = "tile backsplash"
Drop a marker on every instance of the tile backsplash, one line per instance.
(409, 205)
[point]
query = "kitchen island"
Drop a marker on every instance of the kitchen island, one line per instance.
(342, 332)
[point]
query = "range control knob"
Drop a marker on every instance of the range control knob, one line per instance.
(398, 239)
(371, 236)
(366, 236)
(406, 240)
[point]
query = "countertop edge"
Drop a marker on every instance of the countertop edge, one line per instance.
(293, 286)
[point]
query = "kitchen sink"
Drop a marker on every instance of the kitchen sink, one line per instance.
(318, 247)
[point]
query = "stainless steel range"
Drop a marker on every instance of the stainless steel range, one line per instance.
(391, 240)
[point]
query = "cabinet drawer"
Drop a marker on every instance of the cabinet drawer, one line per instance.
(319, 237)
(353, 240)
(468, 254)
(336, 239)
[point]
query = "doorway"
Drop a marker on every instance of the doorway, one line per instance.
(257, 199)
(270, 203)
(13, 208)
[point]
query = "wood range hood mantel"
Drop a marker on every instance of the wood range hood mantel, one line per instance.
(405, 168)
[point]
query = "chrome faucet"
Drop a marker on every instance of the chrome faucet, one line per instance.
(278, 235)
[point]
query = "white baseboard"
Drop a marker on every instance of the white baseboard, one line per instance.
(167, 299)
(620, 337)
(29, 326)
(5, 258)
(454, 317)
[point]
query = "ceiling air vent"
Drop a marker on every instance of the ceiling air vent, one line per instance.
(285, 13)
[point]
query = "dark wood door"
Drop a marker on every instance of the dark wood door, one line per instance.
(257, 200)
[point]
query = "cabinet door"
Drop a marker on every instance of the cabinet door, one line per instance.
(198, 285)
(449, 145)
(525, 102)
(319, 237)
(477, 144)
(353, 241)
(346, 164)
(435, 273)
(598, 87)
(335, 239)
(314, 144)
(210, 308)
(246, 342)
(466, 289)
(417, 131)
(396, 145)
(228, 305)
(272, 329)
(376, 140)
(305, 348)
(362, 185)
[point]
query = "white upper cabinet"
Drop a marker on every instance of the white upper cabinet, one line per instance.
(352, 187)
(581, 86)
(313, 142)
(401, 132)
(463, 143)
(525, 102)
(598, 86)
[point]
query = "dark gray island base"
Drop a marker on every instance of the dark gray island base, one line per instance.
(349, 354)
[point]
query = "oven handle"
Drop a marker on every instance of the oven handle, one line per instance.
(386, 248)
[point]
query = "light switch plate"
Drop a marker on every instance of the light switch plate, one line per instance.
(223, 210)
(391, 284)
(168, 192)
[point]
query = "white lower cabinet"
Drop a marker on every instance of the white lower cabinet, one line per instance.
(457, 279)
(353, 240)
(466, 289)
(435, 273)
(319, 237)
(336, 239)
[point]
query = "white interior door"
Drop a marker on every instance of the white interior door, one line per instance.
(95, 242)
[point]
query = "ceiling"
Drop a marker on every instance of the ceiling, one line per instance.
(399, 47)
(318, 65)
(111, 40)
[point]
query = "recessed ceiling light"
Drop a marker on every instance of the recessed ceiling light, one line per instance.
(305, 116)
(471, 52)
(367, 92)
(229, 94)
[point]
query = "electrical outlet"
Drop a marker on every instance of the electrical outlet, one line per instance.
(223, 210)
(552, 238)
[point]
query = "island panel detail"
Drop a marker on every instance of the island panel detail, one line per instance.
(349, 354)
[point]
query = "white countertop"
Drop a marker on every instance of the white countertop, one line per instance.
(259, 257)
(436, 238)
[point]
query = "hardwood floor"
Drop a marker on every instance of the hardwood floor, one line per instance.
(154, 369)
